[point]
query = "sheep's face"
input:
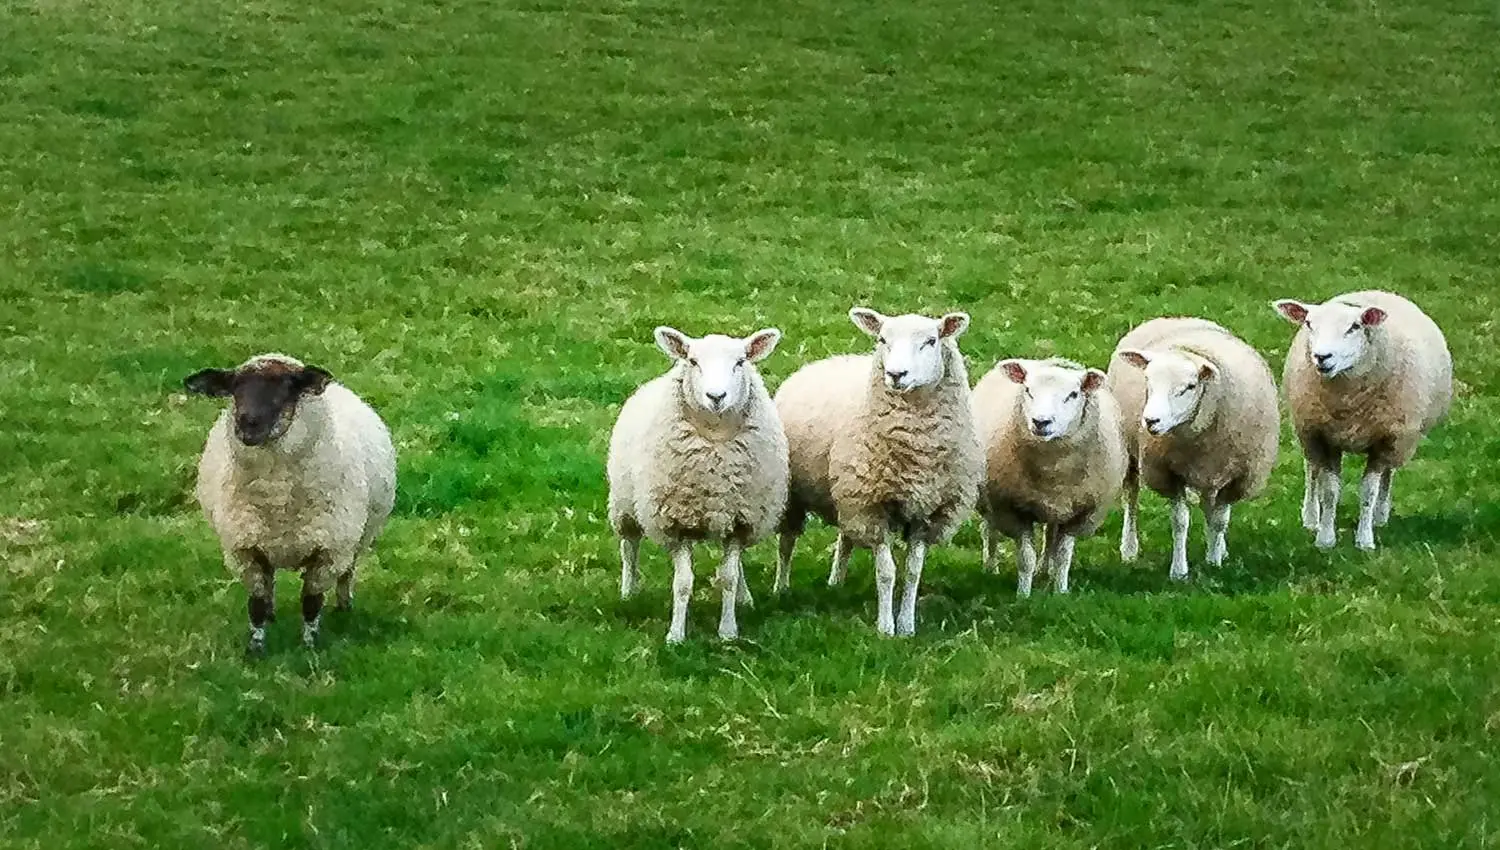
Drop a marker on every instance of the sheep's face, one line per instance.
(1053, 395)
(1338, 335)
(1175, 383)
(909, 349)
(716, 368)
(265, 392)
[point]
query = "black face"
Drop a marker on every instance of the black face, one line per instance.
(265, 395)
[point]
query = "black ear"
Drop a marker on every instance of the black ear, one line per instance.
(211, 382)
(312, 380)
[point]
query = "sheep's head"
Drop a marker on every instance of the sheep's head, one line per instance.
(1175, 385)
(1338, 335)
(265, 389)
(716, 368)
(909, 349)
(1054, 393)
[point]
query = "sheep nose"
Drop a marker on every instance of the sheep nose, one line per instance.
(1041, 424)
(1322, 359)
(716, 398)
(1151, 423)
(895, 376)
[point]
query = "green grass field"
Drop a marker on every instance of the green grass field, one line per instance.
(474, 213)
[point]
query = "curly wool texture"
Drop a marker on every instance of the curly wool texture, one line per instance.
(1071, 482)
(325, 487)
(677, 474)
(1386, 409)
(1230, 444)
(874, 461)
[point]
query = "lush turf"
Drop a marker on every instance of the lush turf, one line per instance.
(475, 212)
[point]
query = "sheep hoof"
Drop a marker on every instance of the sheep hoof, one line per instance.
(1365, 544)
(1325, 542)
(674, 638)
(1178, 574)
(729, 634)
(255, 651)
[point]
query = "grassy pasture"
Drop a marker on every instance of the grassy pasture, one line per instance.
(473, 213)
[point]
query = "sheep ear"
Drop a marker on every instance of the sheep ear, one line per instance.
(953, 325)
(1372, 316)
(1138, 359)
(1013, 369)
(1293, 311)
(210, 382)
(312, 380)
(1093, 379)
(673, 342)
(867, 320)
(761, 344)
(1207, 372)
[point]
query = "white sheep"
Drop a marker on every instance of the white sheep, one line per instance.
(1367, 373)
(297, 474)
(1199, 412)
(883, 444)
(699, 454)
(1055, 456)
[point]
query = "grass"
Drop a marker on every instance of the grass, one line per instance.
(474, 213)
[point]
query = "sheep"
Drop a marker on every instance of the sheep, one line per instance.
(699, 454)
(1200, 412)
(880, 444)
(1055, 456)
(297, 474)
(1367, 373)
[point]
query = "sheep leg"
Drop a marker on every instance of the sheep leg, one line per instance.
(989, 552)
(344, 598)
(885, 585)
(1216, 515)
(1328, 505)
(1310, 495)
(630, 566)
(742, 591)
(1025, 561)
(1369, 499)
(320, 572)
(731, 577)
(1181, 519)
(682, 591)
(1383, 507)
(842, 549)
(788, 545)
(916, 556)
(1059, 557)
(259, 578)
(1130, 542)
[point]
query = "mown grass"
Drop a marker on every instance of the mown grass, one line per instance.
(474, 213)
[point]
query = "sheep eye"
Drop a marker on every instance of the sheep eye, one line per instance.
(739, 363)
(1072, 395)
(692, 361)
(880, 340)
(929, 342)
(1354, 327)
(1187, 389)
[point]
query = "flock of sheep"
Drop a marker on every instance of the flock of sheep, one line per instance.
(299, 473)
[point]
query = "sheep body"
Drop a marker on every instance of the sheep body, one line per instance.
(673, 478)
(1224, 448)
(1066, 482)
(1397, 386)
